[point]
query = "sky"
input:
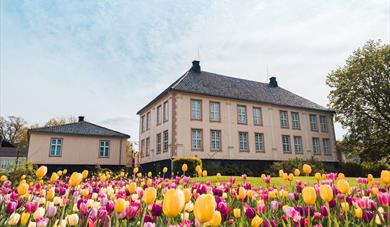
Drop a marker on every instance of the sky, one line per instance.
(106, 59)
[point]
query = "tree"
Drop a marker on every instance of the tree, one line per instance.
(14, 130)
(129, 153)
(360, 95)
(60, 121)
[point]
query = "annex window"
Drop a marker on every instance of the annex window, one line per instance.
(286, 144)
(215, 112)
(326, 145)
(323, 124)
(241, 114)
(159, 120)
(165, 141)
(196, 109)
(215, 137)
(148, 121)
(147, 147)
(295, 124)
(257, 118)
(142, 148)
(196, 139)
(243, 141)
(283, 119)
(316, 146)
(165, 111)
(104, 149)
(56, 147)
(298, 144)
(158, 143)
(259, 142)
(313, 122)
(4, 164)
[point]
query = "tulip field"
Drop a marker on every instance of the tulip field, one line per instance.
(301, 198)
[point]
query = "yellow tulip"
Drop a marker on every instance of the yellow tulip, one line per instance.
(204, 208)
(341, 176)
(370, 177)
(359, 212)
(374, 190)
(317, 176)
(343, 186)
(135, 170)
(218, 176)
(24, 218)
(297, 172)
(285, 176)
(290, 177)
(54, 177)
(3, 178)
(309, 195)
(23, 177)
(132, 187)
(149, 196)
(59, 173)
(75, 179)
(85, 192)
(271, 195)
(85, 173)
(103, 178)
(385, 177)
(256, 221)
(173, 202)
(204, 173)
(23, 188)
(150, 174)
(326, 192)
(122, 174)
(184, 168)
(165, 170)
(139, 175)
(64, 171)
(41, 172)
(120, 205)
(50, 193)
(216, 219)
(187, 195)
(73, 219)
(281, 172)
(198, 168)
(237, 213)
(345, 206)
(306, 169)
(241, 194)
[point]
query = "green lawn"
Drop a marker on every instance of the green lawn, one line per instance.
(256, 181)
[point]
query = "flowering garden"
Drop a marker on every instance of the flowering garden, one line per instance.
(121, 199)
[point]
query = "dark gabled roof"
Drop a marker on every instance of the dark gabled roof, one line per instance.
(212, 84)
(80, 128)
(8, 149)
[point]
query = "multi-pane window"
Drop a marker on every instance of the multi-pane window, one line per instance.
(55, 147)
(313, 122)
(295, 124)
(165, 141)
(298, 144)
(147, 147)
(215, 111)
(286, 144)
(196, 109)
(148, 121)
(323, 124)
(257, 118)
(316, 146)
(143, 123)
(326, 145)
(142, 148)
(196, 139)
(104, 148)
(159, 120)
(259, 142)
(4, 164)
(215, 137)
(283, 119)
(241, 114)
(158, 143)
(165, 111)
(243, 141)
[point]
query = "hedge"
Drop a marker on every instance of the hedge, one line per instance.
(191, 162)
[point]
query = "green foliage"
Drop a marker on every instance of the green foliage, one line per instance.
(191, 162)
(360, 95)
(15, 174)
(352, 169)
(290, 165)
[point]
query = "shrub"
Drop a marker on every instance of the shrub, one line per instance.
(290, 165)
(191, 162)
(15, 174)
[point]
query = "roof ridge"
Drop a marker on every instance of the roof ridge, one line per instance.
(105, 128)
(237, 78)
(52, 126)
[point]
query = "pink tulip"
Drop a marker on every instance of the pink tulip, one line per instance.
(384, 198)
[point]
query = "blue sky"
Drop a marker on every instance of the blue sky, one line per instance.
(106, 59)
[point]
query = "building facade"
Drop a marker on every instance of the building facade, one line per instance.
(10, 155)
(78, 145)
(215, 117)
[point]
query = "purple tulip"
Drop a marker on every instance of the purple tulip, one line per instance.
(131, 212)
(217, 192)
(156, 210)
(367, 216)
(270, 223)
(31, 207)
(51, 211)
(250, 212)
(291, 196)
(317, 215)
(332, 203)
(10, 207)
(274, 205)
(110, 206)
(341, 217)
(324, 210)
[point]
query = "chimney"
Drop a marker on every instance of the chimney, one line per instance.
(273, 82)
(195, 66)
(81, 118)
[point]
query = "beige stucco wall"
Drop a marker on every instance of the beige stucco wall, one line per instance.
(76, 150)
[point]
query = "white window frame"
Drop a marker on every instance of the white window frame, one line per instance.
(215, 140)
(316, 146)
(196, 139)
(241, 114)
(283, 115)
(165, 141)
(4, 164)
(147, 146)
(143, 123)
(298, 146)
(215, 111)
(57, 147)
(106, 149)
(148, 120)
(243, 141)
(259, 142)
(323, 123)
(257, 116)
(158, 143)
(286, 143)
(295, 122)
(326, 146)
(165, 111)
(158, 115)
(196, 109)
(313, 122)
(142, 148)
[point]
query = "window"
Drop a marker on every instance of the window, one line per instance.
(158, 115)
(165, 141)
(313, 122)
(215, 136)
(323, 124)
(56, 147)
(259, 142)
(316, 146)
(215, 114)
(165, 111)
(142, 148)
(147, 147)
(286, 143)
(295, 120)
(298, 144)
(326, 145)
(257, 118)
(243, 138)
(158, 143)
(142, 123)
(148, 121)
(196, 110)
(241, 114)
(104, 149)
(196, 139)
(4, 164)
(283, 119)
